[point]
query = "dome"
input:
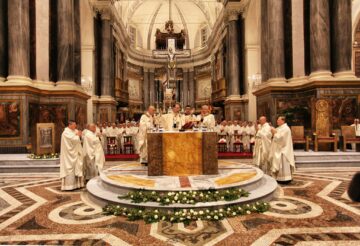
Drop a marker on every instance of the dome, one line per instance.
(143, 17)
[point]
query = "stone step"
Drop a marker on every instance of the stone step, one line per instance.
(103, 196)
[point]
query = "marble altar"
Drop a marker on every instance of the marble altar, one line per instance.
(182, 153)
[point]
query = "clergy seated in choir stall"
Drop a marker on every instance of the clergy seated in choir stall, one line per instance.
(262, 145)
(174, 120)
(282, 158)
(146, 123)
(71, 158)
(206, 119)
(94, 153)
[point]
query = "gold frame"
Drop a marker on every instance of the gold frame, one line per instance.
(42, 151)
(20, 137)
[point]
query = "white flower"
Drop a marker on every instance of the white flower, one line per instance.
(163, 218)
(227, 191)
(172, 218)
(221, 215)
(167, 200)
(195, 213)
(117, 206)
(153, 193)
(216, 192)
(158, 199)
(216, 217)
(248, 212)
(228, 209)
(254, 207)
(156, 211)
(221, 210)
(234, 213)
(177, 213)
(201, 212)
(132, 196)
(201, 194)
(140, 211)
(156, 216)
(208, 217)
(169, 193)
(222, 198)
(176, 198)
(184, 198)
(239, 208)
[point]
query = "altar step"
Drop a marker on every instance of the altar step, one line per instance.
(327, 159)
(15, 163)
(103, 191)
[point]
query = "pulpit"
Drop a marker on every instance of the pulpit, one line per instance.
(182, 153)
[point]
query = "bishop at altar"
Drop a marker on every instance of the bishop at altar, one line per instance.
(173, 120)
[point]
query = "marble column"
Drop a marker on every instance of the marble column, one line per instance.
(264, 41)
(233, 49)
(19, 40)
(77, 42)
(276, 40)
(65, 41)
(185, 87)
(320, 65)
(152, 87)
(42, 9)
(3, 40)
(106, 45)
(146, 88)
(192, 87)
(298, 43)
(341, 37)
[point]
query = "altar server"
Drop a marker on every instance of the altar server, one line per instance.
(206, 118)
(262, 145)
(71, 158)
(94, 154)
(282, 152)
(146, 123)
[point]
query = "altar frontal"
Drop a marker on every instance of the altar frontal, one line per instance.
(182, 153)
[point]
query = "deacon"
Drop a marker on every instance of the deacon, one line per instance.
(206, 118)
(262, 145)
(174, 120)
(94, 154)
(282, 152)
(71, 158)
(146, 123)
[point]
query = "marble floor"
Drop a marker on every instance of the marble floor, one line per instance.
(313, 210)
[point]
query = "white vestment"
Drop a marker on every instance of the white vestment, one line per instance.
(170, 119)
(146, 123)
(357, 133)
(208, 121)
(71, 161)
(282, 154)
(262, 147)
(246, 138)
(94, 155)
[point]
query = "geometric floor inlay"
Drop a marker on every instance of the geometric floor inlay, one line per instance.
(312, 210)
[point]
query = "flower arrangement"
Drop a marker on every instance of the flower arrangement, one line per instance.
(185, 197)
(185, 215)
(44, 157)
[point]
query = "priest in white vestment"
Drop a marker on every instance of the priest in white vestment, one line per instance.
(263, 138)
(71, 158)
(94, 154)
(146, 123)
(174, 120)
(206, 118)
(282, 152)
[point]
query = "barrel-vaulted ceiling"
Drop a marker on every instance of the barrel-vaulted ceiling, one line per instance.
(148, 15)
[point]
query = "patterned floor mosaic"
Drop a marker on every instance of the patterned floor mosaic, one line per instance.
(313, 210)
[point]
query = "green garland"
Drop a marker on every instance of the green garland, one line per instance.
(185, 197)
(44, 157)
(185, 215)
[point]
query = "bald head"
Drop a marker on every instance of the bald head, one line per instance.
(92, 127)
(205, 109)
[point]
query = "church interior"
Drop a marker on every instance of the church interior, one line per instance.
(192, 122)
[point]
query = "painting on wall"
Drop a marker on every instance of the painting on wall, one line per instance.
(134, 89)
(9, 119)
(52, 113)
(204, 88)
